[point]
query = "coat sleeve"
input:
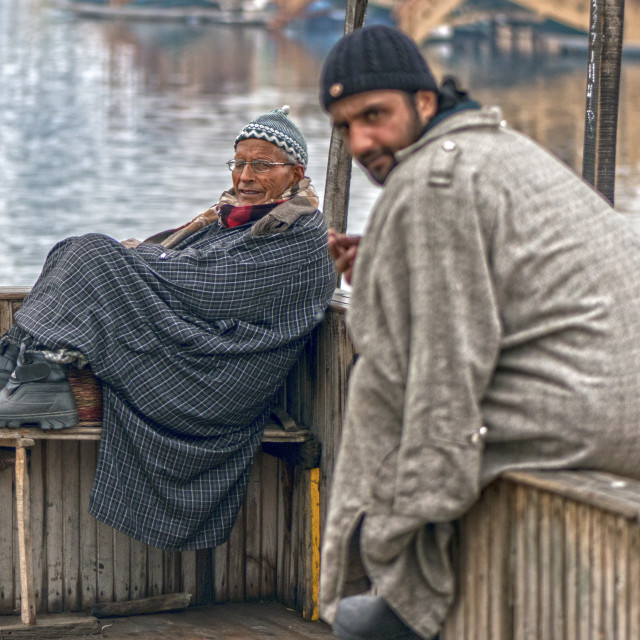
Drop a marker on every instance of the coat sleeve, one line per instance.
(452, 344)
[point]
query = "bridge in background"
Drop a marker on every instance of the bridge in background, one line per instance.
(419, 18)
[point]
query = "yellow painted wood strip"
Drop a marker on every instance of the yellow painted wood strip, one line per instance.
(314, 493)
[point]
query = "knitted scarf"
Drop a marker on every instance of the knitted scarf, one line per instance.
(231, 214)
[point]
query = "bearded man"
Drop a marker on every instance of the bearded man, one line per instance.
(496, 313)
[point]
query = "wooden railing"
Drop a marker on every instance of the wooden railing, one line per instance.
(541, 556)
(550, 556)
(273, 551)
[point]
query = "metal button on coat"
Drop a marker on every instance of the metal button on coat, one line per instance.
(449, 145)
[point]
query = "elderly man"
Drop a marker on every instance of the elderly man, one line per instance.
(496, 311)
(191, 334)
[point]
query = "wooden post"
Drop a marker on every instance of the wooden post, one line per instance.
(603, 85)
(25, 549)
(336, 195)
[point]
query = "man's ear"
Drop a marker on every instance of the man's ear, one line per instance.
(427, 104)
(298, 174)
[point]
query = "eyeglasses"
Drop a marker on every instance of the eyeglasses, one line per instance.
(259, 166)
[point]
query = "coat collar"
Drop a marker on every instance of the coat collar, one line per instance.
(485, 117)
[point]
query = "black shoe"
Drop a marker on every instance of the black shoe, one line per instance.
(369, 618)
(38, 393)
(8, 359)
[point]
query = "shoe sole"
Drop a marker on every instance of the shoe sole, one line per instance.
(345, 634)
(50, 422)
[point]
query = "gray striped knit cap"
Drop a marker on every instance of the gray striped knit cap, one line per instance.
(276, 127)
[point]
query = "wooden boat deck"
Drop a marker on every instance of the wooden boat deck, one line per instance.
(237, 621)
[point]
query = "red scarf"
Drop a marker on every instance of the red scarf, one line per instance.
(231, 216)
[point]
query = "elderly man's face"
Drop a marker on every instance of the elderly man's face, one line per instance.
(376, 124)
(253, 187)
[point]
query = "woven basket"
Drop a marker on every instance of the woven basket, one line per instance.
(88, 392)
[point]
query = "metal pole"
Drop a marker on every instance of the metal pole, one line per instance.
(603, 90)
(336, 195)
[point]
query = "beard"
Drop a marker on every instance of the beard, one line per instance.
(379, 163)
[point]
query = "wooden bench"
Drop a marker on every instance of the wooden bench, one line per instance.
(549, 556)
(282, 432)
(273, 551)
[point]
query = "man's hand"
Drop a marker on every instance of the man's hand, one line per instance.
(343, 249)
(130, 243)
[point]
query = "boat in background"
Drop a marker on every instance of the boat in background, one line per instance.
(241, 12)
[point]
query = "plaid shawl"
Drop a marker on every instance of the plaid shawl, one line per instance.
(191, 344)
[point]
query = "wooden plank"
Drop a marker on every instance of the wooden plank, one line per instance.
(23, 505)
(38, 523)
(597, 575)
(54, 526)
(171, 572)
(253, 502)
(453, 627)
(297, 575)
(221, 573)
(93, 431)
(532, 566)
(137, 570)
(237, 558)
(269, 548)
(155, 572)
(6, 315)
(7, 591)
(105, 563)
(283, 532)
(312, 556)
(13, 294)
(609, 552)
(584, 572)
(557, 567)
(154, 604)
(188, 573)
(16, 551)
(571, 570)
(238, 621)
(472, 557)
(121, 566)
(634, 584)
(54, 627)
(260, 624)
(546, 577)
(70, 463)
(205, 576)
(621, 580)
(522, 559)
(85, 432)
(88, 527)
(605, 491)
(500, 569)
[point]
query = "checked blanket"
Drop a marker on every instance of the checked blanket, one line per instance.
(191, 344)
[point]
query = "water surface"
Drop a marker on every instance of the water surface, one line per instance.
(124, 128)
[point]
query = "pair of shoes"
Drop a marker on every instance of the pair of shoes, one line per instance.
(37, 393)
(8, 359)
(369, 618)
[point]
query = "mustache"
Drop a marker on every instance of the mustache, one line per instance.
(371, 156)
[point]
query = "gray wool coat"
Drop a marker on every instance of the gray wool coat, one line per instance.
(496, 311)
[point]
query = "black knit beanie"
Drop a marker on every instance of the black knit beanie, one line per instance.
(372, 58)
